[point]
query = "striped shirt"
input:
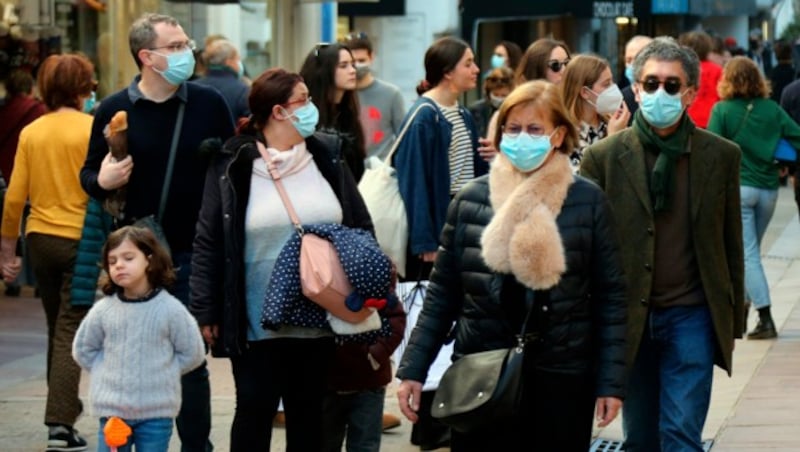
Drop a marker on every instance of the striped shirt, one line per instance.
(460, 152)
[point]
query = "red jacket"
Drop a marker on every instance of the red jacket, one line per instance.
(18, 112)
(700, 109)
(352, 369)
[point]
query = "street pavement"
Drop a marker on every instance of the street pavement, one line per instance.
(757, 409)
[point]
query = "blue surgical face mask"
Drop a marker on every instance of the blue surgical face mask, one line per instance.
(180, 66)
(629, 73)
(88, 104)
(526, 152)
(498, 61)
(305, 119)
(660, 109)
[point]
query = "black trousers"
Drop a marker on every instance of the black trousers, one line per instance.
(556, 415)
(294, 370)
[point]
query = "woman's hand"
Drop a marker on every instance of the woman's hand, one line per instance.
(408, 395)
(607, 409)
(114, 174)
(428, 256)
(619, 120)
(10, 263)
(486, 149)
(210, 334)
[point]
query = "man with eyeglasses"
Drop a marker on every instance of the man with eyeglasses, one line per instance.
(158, 103)
(674, 191)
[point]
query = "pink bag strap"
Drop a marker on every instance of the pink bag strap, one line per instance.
(276, 177)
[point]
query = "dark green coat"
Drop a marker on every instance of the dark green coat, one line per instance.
(617, 164)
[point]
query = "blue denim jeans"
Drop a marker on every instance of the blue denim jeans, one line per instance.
(194, 419)
(669, 390)
(356, 415)
(758, 205)
(149, 435)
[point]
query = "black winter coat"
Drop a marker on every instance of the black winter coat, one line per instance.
(581, 320)
(217, 280)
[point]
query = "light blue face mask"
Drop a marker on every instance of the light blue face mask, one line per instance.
(526, 152)
(305, 119)
(497, 61)
(660, 109)
(88, 104)
(629, 73)
(180, 66)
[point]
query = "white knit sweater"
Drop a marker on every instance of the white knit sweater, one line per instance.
(136, 352)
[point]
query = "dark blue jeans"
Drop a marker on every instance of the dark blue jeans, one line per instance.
(147, 435)
(357, 415)
(194, 419)
(670, 383)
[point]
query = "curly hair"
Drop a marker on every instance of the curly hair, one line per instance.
(159, 269)
(742, 79)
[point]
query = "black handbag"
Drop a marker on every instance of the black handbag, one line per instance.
(484, 386)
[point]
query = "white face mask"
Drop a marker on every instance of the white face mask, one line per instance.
(608, 101)
(496, 100)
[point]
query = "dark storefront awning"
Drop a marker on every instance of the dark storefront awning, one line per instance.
(372, 8)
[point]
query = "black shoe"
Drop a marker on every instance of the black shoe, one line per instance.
(12, 290)
(765, 329)
(65, 439)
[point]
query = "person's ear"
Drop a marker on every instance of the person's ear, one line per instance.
(585, 93)
(558, 137)
(278, 113)
(145, 56)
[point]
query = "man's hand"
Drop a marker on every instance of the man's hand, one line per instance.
(408, 395)
(428, 256)
(607, 410)
(210, 334)
(114, 174)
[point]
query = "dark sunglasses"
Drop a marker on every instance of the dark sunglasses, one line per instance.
(319, 47)
(556, 65)
(672, 85)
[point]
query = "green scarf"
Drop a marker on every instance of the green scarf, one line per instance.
(668, 150)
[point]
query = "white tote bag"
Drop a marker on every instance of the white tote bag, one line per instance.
(381, 194)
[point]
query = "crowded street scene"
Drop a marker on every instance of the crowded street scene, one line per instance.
(399, 225)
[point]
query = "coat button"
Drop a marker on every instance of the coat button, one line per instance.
(227, 216)
(643, 301)
(648, 267)
(650, 231)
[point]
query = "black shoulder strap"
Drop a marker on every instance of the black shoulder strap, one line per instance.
(173, 150)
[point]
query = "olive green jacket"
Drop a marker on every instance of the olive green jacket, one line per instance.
(617, 164)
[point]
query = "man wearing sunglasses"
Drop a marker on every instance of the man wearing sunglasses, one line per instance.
(674, 191)
(163, 109)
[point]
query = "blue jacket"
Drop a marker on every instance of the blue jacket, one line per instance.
(96, 227)
(423, 172)
(232, 88)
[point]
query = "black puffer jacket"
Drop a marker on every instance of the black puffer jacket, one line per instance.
(217, 281)
(582, 319)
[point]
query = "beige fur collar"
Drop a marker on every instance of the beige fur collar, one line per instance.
(523, 237)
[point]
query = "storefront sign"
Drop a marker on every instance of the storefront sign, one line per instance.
(613, 9)
(670, 6)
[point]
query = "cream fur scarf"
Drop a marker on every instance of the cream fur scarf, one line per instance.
(522, 238)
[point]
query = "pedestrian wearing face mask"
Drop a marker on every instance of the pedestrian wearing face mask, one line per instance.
(674, 190)
(160, 103)
(243, 226)
(382, 105)
(594, 102)
(496, 87)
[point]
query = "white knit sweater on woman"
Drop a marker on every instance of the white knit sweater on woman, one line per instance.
(136, 352)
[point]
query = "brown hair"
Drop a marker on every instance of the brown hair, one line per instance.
(514, 53)
(533, 65)
(159, 269)
(501, 77)
(699, 41)
(273, 87)
(583, 70)
(63, 79)
(545, 97)
(440, 58)
(742, 79)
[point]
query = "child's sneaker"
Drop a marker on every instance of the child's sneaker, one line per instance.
(64, 439)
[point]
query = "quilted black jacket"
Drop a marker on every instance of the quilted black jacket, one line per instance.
(581, 320)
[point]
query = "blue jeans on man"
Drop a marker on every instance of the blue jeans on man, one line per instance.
(148, 435)
(669, 390)
(194, 419)
(357, 415)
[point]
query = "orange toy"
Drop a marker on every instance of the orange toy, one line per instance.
(116, 432)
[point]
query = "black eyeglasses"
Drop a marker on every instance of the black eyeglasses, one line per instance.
(672, 85)
(319, 47)
(556, 65)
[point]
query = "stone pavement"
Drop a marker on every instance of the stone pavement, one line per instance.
(758, 409)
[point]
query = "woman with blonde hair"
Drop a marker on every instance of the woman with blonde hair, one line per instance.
(593, 100)
(529, 244)
(747, 116)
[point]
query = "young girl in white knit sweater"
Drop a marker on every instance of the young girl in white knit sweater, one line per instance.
(137, 342)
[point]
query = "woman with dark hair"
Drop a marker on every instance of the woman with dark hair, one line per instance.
(329, 71)
(748, 117)
(710, 76)
(242, 227)
(529, 246)
(506, 54)
(50, 182)
(544, 59)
